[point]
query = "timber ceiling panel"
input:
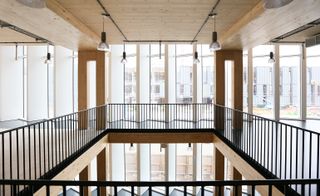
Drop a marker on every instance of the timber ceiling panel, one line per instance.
(158, 19)
(8, 35)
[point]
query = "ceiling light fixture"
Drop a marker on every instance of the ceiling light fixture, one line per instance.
(196, 58)
(48, 59)
(189, 147)
(124, 55)
(103, 45)
(131, 148)
(215, 45)
(33, 3)
(271, 59)
(271, 4)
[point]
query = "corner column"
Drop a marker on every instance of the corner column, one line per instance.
(218, 169)
(99, 58)
(85, 175)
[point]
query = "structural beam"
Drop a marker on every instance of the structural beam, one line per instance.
(53, 23)
(259, 25)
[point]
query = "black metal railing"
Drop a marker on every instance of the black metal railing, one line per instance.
(31, 151)
(160, 116)
(279, 150)
(265, 187)
(276, 149)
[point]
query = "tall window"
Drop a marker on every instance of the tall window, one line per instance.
(263, 81)
(184, 163)
(130, 75)
(131, 162)
(245, 81)
(207, 66)
(157, 162)
(50, 76)
(290, 81)
(313, 82)
(157, 77)
(207, 162)
(184, 76)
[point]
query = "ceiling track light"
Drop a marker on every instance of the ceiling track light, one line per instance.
(124, 55)
(271, 58)
(103, 45)
(48, 59)
(196, 58)
(131, 148)
(189, 147)
(33, 3)
(271, 4)
(215, 45)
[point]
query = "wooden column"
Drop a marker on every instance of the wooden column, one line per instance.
(102, 170)
(220, 58)
(235, 175)
(85, 176)
(99, 58)
(218, 169)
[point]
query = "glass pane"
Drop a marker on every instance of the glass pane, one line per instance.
(157, 162)
(289, 81)
(263, 87)
(157, 75)
(184, 163)
(289, 50)
(130, 75)
(207, 162)
(184, 73)
(207, 74)
(131, 162)
(245, 82)
(313, 82)
(262, 50)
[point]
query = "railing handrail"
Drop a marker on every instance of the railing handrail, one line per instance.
(50, 119)
(268, 119)
(42, 182)
(139, 104)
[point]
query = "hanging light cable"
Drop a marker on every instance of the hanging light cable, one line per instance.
(124, 55)
(215, 45)
(103, 45)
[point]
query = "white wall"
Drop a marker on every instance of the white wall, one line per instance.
(37, 83)
(63, 81)
(11, 83)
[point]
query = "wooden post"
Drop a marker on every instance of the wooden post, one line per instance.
(102, 170)
(85, 176)
(235, 175)
(218, 169)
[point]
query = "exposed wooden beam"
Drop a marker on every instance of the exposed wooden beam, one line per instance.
(259, 25)
(57, 8)
(53, 23)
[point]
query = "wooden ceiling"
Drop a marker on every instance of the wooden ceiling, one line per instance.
(158, 19)
(76, 24)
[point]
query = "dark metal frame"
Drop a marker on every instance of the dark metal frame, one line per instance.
(275, 149)
(219, 185)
